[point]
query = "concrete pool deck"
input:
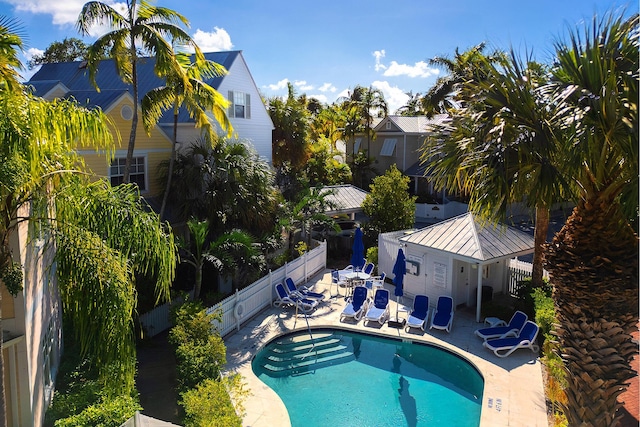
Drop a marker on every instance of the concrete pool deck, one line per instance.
(513, 389)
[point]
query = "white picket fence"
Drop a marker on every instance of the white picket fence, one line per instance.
(244, 304)
(520, 270)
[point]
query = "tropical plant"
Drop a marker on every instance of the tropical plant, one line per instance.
(363, 104)
(226, 253)
(323, 168)
(68, 50)
(10, 46)
(291, 121)
(225, 182)
(500, 146)
(189, 90)
(154, 30)
(593, 260)
(388, 204)
(463, 68)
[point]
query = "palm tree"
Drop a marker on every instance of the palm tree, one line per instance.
(227, 253)
(10, 45)
(143, 26)
(593, 260)
(500, 146)
(102, 235)
(226, 183)
(463, 68)
(188, 89)
(291, 120)
(363, 105)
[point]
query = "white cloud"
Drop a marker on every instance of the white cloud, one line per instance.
(215, 41)
(394, 96)
(282, 84)
(379, 54)
(327, 87)
(321, 98)
(302, 85)
(419, 69)
(63, 12)
(30, 53)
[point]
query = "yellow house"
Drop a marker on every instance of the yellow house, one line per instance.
(247, 113)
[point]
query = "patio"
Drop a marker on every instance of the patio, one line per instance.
(513, 392)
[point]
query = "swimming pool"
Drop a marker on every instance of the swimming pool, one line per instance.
(344, 378)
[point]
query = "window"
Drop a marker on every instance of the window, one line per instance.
(388, 147)
(356, 145)
(387, 125)
(136, 175)
(240, 106)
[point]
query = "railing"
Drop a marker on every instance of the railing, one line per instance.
(242, 305)
(518, 271)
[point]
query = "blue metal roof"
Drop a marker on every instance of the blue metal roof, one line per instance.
(75, 76)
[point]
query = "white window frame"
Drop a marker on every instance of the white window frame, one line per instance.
(356, 145)
(138, 167)
(388, 147)
(242, 101)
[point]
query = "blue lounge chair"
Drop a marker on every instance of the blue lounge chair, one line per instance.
(502, 347)
(283, 299)
(420, 313)
(357, 306)
(516, 323)
(443, 314)
(379, 311)
(303, 291)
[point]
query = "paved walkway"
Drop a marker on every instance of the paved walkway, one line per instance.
(513, 393)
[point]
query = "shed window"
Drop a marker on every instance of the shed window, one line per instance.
(356, 145)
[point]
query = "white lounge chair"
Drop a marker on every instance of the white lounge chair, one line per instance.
(443, 314)
(502, 347)
(420, 314)
(516, 323)
(379, 310)
(357, 306)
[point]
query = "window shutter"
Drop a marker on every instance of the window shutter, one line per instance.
(247, 113)
(231, 111)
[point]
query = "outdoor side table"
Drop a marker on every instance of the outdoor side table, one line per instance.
(494, 321)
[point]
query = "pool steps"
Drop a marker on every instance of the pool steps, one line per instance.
(300, 354)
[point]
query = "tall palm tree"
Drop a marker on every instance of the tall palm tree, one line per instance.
(593, 260)
(10, 46)
(187, 89)
(463, 68)
(154, 30)
(364, 104)
(500, 146)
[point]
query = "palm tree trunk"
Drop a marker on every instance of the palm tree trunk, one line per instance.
(593, 262)
(134, 118)
(172, 161)
(539, 240)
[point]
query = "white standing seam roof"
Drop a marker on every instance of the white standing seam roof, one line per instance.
(464, 236)
(345, 198)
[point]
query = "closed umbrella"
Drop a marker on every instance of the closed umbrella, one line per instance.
(357, 256)
(399, 270)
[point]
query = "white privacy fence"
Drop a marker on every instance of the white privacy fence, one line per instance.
(242, 305)
(520, 270)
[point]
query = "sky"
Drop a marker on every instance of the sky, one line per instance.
(325, 48)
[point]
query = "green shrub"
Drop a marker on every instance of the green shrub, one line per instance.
(209, 405)
(544, 310)
(200, 351)
(109, 412)
(372, 255)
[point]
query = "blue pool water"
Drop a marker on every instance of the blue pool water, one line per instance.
(349, 379)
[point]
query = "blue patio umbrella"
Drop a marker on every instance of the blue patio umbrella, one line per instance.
(399, 270)
(357, 255)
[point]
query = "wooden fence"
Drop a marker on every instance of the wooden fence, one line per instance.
(247, 302)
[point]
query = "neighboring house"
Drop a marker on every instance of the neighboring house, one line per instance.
(397, 141)
(458, 257)
(32, 333)
(247, 113)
